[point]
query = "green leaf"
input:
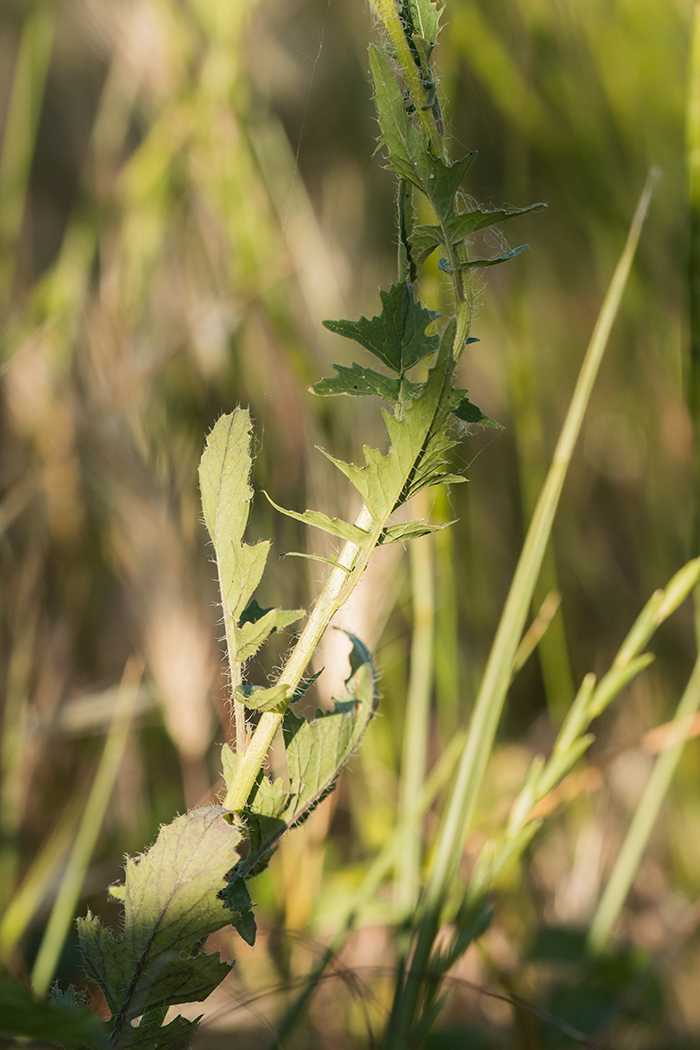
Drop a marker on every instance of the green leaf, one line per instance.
(409, 154)
(262, 698)
(336, 526)
(423, 17)
(467, 411)
(226, 494)
(237, 897)
(362, 382)
(177, 1035)
(419, 444)
(424, 239)
(317, 751)
(477, 263)
(264, 818)
(170, 906)
(410, 530)
(397, 335)
(60, 1020)
(256, 624)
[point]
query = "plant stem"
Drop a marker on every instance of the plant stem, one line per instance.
(339, 586)
(389, 15)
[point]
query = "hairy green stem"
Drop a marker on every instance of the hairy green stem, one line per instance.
(339, 586)
(389, 15)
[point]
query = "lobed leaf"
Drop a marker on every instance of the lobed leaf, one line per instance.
(177, 1035)
(224, 470)
(358, 382)
(419, 444)
(59, 1019)
(317, 751)
(397, 336)
(170, 907)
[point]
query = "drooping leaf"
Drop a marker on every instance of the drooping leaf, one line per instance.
(408, 152)
(397, 335)
(170, 906)
(336, 526)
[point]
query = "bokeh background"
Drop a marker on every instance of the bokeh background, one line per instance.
(187, 188)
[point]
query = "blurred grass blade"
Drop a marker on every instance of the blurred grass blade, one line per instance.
(693, 176)
(499, 667)
(417, 724)
(63, 911)
(640, 829)
(489, 704)
(20, 132)
(42, 874)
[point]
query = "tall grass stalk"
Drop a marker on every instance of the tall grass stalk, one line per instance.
(693, 180)
(14, 721)
(489, 704)
(416, 738)
(645, 817)
(63, 911)
(31, 69)
(28, 898)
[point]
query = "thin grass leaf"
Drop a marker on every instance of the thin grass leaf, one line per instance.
(497, 675)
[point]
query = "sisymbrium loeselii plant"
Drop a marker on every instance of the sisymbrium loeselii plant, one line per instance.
(195, 879)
